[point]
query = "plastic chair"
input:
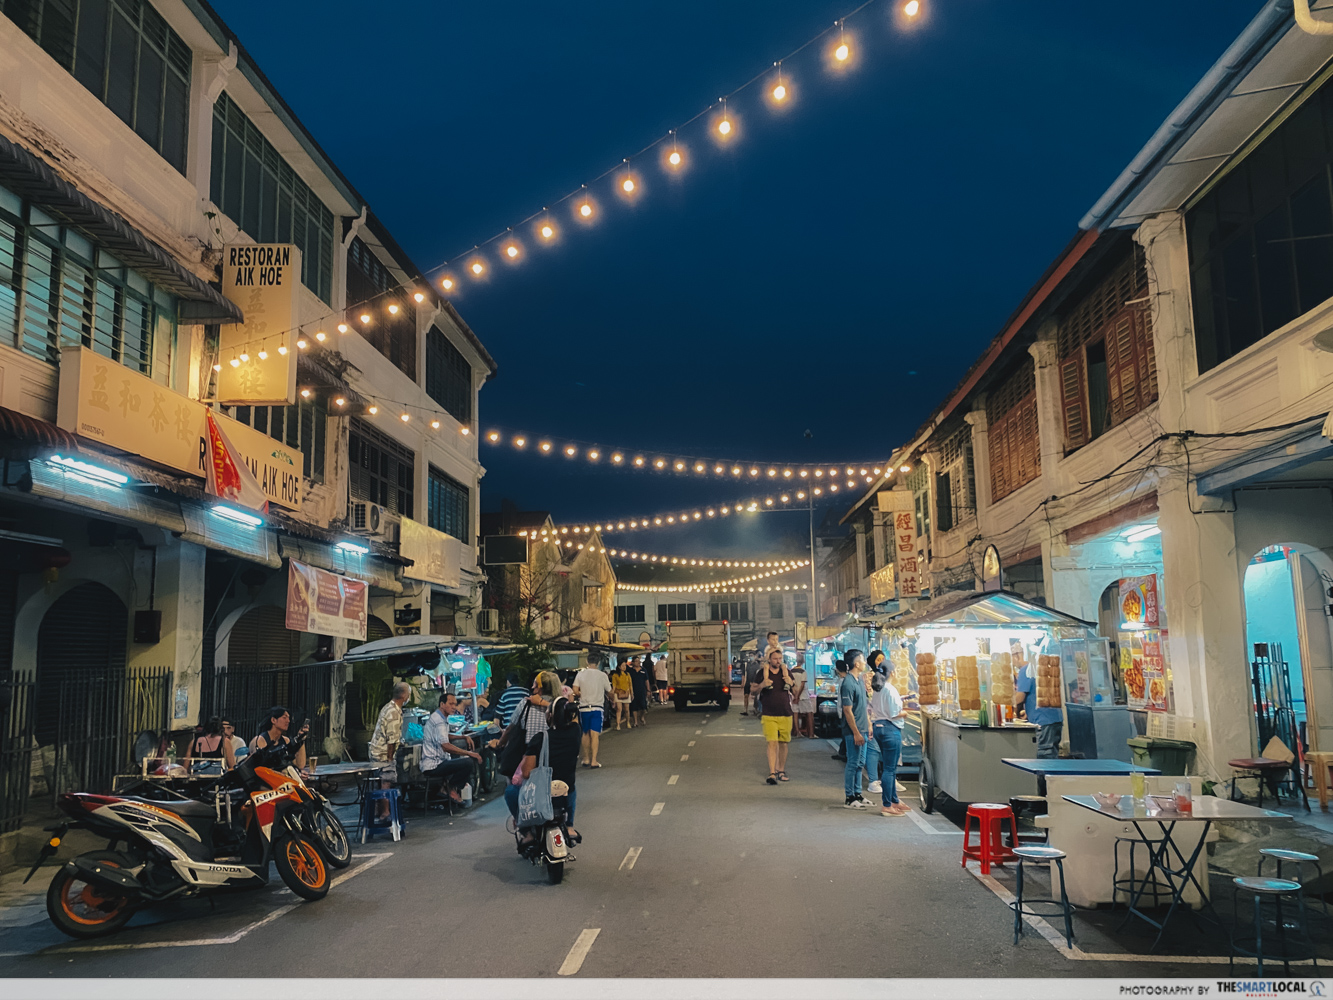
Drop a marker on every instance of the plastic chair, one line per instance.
(1022, 906)
(1252, 943)
(990, 848)
(372, 824)
(1298, 858)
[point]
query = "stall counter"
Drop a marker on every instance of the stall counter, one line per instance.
(966, 762)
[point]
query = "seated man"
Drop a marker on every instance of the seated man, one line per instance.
(437, 751)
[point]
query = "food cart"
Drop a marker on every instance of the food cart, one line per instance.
(960, 655)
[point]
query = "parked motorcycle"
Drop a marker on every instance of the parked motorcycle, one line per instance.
(160, 850)
(548, 844)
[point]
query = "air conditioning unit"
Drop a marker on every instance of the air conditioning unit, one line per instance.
(373, 520)
(488, 621)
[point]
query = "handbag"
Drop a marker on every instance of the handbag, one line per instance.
(534, 798)
(512, 754)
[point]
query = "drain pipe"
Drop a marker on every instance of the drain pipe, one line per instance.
(1307, 21)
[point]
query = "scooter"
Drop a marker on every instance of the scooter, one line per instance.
(549, 843)
(184, 847)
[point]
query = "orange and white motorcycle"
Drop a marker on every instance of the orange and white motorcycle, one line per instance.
(165, 849)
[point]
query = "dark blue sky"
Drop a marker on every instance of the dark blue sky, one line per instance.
(834, 269)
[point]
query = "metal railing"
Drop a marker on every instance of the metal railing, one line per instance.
(101, 715)
(16, 728)
(243, 694)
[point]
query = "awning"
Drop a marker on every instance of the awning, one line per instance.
(999, 607)
(417, 645)
(22, 436)
(33, 179)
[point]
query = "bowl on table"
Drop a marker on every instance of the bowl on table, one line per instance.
(1107, 800)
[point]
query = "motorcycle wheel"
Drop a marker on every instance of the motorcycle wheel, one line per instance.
(555, 871)
(301, 864)
(333, 837)
(78, 908)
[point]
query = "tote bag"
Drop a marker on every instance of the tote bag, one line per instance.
(516, 740)
(534, 798)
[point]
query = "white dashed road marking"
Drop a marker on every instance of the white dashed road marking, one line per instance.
(673, 779)
(684, 756)
(657, 808)
(690, 744)
(697, 732)
(574, 960)
(631, 856)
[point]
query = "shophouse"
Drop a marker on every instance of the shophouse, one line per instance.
(1145, 444)
(141, 152)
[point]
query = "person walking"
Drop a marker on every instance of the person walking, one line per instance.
(776, 714)
(855, 726)
(875, 667)
(887, 714)
(840, 675)
(639, 683)
(622, 687)
(660, 678)
(591, 687)
(803, 704)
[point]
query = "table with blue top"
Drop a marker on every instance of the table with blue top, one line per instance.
(1042, 766)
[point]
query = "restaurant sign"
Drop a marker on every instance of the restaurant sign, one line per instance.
(263, 280)
(326, 603)
(106, 402)
(900, 505)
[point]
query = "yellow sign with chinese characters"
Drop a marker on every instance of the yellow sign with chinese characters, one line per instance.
(108, 403)
(258, 357)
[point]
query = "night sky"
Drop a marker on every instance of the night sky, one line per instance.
(833, 270)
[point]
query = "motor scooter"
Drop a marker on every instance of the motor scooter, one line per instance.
(548, 844)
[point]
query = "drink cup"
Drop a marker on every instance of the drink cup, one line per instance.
(1184, 797)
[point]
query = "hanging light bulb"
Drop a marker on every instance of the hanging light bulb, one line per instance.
(842, 52)
(547, 231)
(365, 318)
(493, 436)
(320, 336)
(545, 446)
(404, 417)
(511, 251)
(585, 210)
(447, 283)
(912, 8)
(465, 431)
(305, 393)
(594, 455)
(217, 367)
(282, 348)
(372, 409)
(340, 401)
(303, 343)
(627, 185)
(235, 362)
(638, 460)
(262, 355)
(244, 357)
(477, 267)
(393, 308)
(674, 158)
(571, 451)
(519, 442)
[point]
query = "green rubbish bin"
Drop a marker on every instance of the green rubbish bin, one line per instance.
(1168, 756)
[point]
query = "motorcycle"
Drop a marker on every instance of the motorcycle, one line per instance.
(185, 847)
(549, 843)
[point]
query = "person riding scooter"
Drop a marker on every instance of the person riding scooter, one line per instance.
(566, 736)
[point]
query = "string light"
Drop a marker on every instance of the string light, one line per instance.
(305, 393)
(302, 343)
(447, 283)
(912, 8)
(547, 231)
(262, 355)
(418, 298)
(435, 425)
(320, 336)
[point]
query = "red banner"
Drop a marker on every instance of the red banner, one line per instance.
(326, 603)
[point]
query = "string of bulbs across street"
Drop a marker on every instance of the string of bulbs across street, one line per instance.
(840, 56)
(713, 585)
(682, 561)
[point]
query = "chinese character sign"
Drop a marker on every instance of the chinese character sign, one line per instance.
(901, 523)
(262, 280)
(326, 603)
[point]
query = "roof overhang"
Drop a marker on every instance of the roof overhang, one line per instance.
(1269, 65)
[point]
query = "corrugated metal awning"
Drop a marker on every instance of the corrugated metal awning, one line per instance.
(22, 436)
(33, 179)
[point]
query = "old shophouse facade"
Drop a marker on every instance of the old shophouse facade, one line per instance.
(1156, 407)
(138, 143)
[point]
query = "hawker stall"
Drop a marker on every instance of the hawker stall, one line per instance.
(961, 655)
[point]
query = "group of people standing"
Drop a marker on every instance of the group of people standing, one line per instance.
(634, 683)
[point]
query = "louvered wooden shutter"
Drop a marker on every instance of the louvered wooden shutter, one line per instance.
(1146, 357)
(1073, 398)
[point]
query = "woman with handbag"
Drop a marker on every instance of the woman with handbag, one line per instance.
(565, 738)
(530, 719)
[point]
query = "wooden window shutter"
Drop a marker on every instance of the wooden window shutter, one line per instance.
(1031, 441)
(1073, 398)
(1146, 356)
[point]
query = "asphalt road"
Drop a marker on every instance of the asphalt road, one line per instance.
(731, 877)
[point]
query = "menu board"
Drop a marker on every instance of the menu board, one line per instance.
(326, 603)
(1138, 602)
(1154, 673)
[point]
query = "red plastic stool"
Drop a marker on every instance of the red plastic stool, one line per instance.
(990, 848)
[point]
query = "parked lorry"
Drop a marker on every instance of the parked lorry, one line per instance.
(699, 664)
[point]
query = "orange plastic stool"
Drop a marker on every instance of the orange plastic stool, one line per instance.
(990, 848)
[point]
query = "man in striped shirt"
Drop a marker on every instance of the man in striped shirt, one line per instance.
(513, 696)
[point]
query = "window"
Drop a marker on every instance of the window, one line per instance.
(800, 606)
(448, 505)
(1108, 370)
(448, 376)
(956, 486)
(1015, 449)
(592, 596)
(729, 611)
(393, 334)
(870, 551)
(918, 481)
(126, 54)
(775, 608)
(256, 187)
(57, 290)
(382, 470)
(303, 426)
(675, 613)
(630, 614)
(1261, 242)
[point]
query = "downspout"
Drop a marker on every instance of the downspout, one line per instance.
(1307, 21)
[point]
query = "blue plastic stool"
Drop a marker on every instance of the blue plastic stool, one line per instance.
(371, 824)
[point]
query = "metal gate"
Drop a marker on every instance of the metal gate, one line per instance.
(16, 728)
(243, 694)
(101, 714)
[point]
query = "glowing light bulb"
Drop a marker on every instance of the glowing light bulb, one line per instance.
(393, 308)
(724, 126)
(680, 466)
(493, 436)
(282, 348)
(244, 356)
(594, 455)
(911, 8)
(263, 355)
(343, 328)
(779, 93)
(478, 267)
(628, 185)
(571, 451)
(519, 442)
(340, 401)
(904, 468)
(365, 317)
(674, 159)
(638, 460)
(547, 232)
(754, 472)
(660, 463)
(303, 343)
(842, 52)
(585, 210)
(511, 251)
(217, 368)
(545, 446)
(772, 472)
(305, 393)
(320, 336)
(236, 362)
(419, 297)
(446, 283)
(373, 410)
(404, 417)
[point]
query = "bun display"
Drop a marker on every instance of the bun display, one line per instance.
(927, 679)
(1002, 678)
(1049, 681)
(969, 683)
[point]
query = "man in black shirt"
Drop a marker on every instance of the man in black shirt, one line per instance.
(639, 682)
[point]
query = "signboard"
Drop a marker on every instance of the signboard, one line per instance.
(504, 550)
(263, 280)
(326, 603)
(884, 584)
(436, 556)
(1156, 698)
(1138, 602)
(901, 504)
(992, 570)
(106, 402)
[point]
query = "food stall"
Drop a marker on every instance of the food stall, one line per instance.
(960, 655)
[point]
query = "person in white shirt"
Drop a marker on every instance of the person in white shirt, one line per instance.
(887, 715)
(660, 678)
(591, 686)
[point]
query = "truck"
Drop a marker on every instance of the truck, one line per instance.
(699, 663)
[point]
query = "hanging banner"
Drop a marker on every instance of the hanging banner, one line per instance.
(326, 603)
(108, 403)
(901, 504)
(263, 280)
(229, 478)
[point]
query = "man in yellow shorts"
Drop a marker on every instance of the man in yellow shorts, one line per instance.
(775, 688)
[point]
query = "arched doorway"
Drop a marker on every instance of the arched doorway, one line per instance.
(83, 632)
(260, 636)
(1289, 644)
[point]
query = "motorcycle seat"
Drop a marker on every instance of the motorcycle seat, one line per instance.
(181, 807)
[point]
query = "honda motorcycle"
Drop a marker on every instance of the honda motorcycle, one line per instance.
(159, 850)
